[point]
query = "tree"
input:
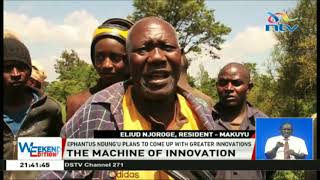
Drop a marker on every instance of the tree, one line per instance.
(75, 75)
(262, 94)
(286, 174)
(252, 67)
(191, 81)
(192, 20)
(204, 83)
(295, 57)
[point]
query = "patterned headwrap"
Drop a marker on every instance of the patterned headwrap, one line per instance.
(115, 28)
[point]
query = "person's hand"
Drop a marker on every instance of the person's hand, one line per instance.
(279, 144)
(290, 152)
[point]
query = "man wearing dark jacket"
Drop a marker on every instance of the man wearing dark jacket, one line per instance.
(234, 112)
(27, 112)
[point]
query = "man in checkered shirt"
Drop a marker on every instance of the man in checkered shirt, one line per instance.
(150, 100)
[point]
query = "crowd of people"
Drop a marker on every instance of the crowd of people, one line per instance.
(142, 86)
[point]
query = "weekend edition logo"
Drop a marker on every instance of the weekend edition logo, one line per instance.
(38, 148)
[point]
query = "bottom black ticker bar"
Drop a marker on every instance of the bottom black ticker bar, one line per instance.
(191, 165)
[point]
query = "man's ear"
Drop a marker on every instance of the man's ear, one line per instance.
(183, 61)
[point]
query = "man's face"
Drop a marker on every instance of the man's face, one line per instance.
(109, 57)
(286, 130)
(15, 74)
(233, 86)
(155, 58)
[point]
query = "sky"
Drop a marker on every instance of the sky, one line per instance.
(50, 27)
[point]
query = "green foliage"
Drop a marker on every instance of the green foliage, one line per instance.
(191, 81)
(290, 89)
(262, 93)
(295, 59)
(252, 67)
(195, 23)
(63, 113)
(289, 175)
(204, 83)
(75, 75)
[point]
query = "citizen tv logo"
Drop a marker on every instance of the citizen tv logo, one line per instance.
(39, 148)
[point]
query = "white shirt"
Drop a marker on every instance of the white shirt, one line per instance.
(296, 144)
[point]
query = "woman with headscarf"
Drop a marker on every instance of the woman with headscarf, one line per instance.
(108, 55)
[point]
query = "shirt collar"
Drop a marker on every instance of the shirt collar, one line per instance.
(245, 125)
(109, 97)
(285, 138)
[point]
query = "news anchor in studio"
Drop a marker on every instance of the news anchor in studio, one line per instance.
(286, 146)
